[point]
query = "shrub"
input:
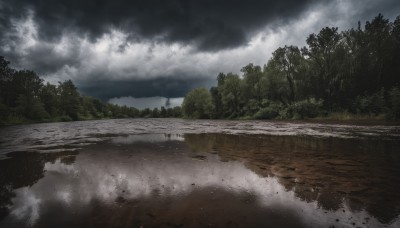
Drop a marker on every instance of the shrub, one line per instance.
(373, 104)
(65, 118)
(394, 103)
(270, 112)
(251, 107)
(286, 112)
(197, 104)
(377, 102)
(308, 108)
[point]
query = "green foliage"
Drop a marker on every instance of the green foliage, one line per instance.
(287, 61)
(31, 108)
(64, 118)
(155, 113)
(176, 112)
(197, 104)
(49, 97)
(231, 92)
(146, 113)
(395, 103)
(163, 112)
(270, 112)
(251, 107)
(69, 99)
(308, 108)
(373, 104)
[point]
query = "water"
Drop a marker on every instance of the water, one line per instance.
(182, 173)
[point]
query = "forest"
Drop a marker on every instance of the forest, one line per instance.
(25, 98)
(355, 72)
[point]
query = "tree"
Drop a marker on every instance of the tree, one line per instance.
(177, 111)
(88, 108)
(251, 83)
(155, 113)
(231, 95)
(325, 52)
(217, 102)
(395, 68)
(395, 102)
(69, 99)
(273, 82)
(48, 96)
(146, 113)
(288, 61)
(6, 75)
(31, 108)
(379, 45)
(197, 104)
(26, 95)
(163, 112)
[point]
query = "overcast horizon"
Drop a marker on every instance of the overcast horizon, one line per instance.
(140, 53)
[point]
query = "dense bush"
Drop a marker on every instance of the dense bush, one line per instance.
(197, 104)
(395, 103)
(269, 112)
(369, 104)
(308, 108)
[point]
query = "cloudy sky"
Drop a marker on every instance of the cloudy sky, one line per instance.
(138, 52)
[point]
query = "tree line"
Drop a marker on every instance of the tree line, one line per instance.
(355, 71)
(24, 97)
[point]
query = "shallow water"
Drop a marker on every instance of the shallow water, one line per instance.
(181, 173)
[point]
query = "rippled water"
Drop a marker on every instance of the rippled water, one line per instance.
(51, 137)
(183, 173)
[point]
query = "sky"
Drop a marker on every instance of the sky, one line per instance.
(138, 53)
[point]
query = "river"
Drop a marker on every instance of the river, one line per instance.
(199, 173)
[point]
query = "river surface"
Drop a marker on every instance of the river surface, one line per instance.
(199, 173)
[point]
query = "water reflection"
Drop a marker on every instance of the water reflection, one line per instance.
(25, 170)
(362, 174)
(147, 138)
(240, 180)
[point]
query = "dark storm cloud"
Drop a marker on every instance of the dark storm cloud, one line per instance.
(207, 24)
(164, 87)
